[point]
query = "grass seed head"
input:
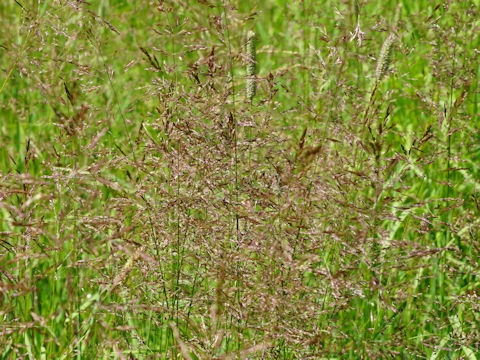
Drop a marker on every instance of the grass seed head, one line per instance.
(251, 65)
(384, 57)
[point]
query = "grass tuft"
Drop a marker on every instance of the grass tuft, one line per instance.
(146, 213)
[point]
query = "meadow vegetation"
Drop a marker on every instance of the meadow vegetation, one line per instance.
(262, 179)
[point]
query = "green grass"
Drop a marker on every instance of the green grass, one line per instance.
(149, 210)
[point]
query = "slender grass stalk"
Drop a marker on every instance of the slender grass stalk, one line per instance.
(232, 115)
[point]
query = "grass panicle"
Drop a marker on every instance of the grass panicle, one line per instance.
(145, 213)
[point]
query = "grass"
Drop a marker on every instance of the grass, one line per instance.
(149, 209)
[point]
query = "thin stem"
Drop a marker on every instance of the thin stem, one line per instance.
(232, 115)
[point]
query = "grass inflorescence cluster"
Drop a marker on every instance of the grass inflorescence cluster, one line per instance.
(239, 179)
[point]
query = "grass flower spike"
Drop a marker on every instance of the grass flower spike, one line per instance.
(384, 57)
(251, 66)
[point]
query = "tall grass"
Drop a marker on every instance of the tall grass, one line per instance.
(147, 211)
